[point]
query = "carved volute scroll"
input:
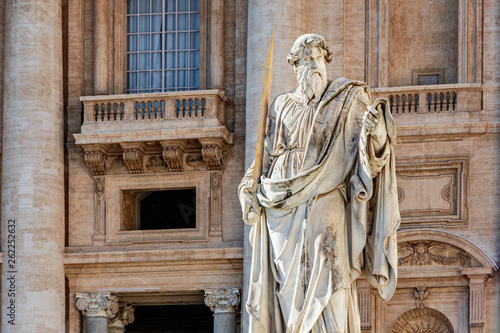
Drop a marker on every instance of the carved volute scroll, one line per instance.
(123, 317)
(96, 304)
(212, 153)
(133, 155)
(95, 157)
(222, 300)
(173, 154)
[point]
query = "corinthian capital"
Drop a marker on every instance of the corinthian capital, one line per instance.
(96, 304)
(222, 300)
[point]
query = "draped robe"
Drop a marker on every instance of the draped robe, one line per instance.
(330, 210)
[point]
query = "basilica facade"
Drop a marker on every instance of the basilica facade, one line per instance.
(127, 126)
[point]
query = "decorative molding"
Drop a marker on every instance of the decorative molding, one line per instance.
(95, 156)
(222, 300)
(424, 253)
(212, 153)
(422, 321)
(96, 304)
(215, 204)
(133, 155)
(173, 154)
(421, 294)
(99, 210)
(433, 191)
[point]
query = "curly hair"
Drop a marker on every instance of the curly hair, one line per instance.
(308, 41)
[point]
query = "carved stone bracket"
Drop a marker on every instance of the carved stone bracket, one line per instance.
(173, 154)
(222, 300)
(133, 155)
(212, 152)
(95, 156)
(96, 304)
(216, 204)
(421, 294)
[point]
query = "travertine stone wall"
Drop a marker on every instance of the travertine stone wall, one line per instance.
(33, 173)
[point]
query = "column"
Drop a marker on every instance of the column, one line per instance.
(477, 285)
(97, 308)
(223, 302)
(123, 317)
(33, 285)
(101, 48)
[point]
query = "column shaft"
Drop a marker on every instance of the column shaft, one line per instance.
(33, 169)
(97, 324)
(225, 322)
(101, 48)
(217, 45)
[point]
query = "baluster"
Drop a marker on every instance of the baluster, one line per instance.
(137, 108)
(403, 103)
(196, 106)
(122, 110)
(203, 105)
(115, 111)
(156, 109)
(454, 100)
(397, 103)
(441, 100)
(448, 101)
(190, 103)
(143, 107)
(410, 99)
(150, 107)
(96, 112)
(108, 111)
(391, 103)
(103, 111)
(177, 108)
(435, 102)
(429, 102)
(184, 108)
(416, 102)
(162, 109)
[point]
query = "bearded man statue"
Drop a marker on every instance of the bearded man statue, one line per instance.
(326, 207)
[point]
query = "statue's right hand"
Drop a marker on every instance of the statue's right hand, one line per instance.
(250, 207)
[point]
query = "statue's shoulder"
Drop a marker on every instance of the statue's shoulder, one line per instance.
(280, 101)
(341, 85)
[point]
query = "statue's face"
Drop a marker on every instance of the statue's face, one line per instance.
(311, 74)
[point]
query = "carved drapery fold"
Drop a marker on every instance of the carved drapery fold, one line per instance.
(222, 300)
(173, 154)
(133, 155)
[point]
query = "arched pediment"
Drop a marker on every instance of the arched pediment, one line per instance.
(465, 248)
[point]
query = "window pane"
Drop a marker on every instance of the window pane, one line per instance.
(144, 61)
(132, 7)
(182, 79)
(144, 80)
(143, 23)
(132, 81)
(144, 42)
(195, 5)
(170, 79)
(156, 23)
(132, 62)
(183, 5)
(144, 6)
(156, 42)
(170, 41)
(157, 6)
(182, 59)
(183, 21)
(195, 21)
(170, 22)
(156, 60)
(194, 40)
(131, 43)
(194, 59)
(194, 78)
(170, 60)
(171, 5)
(132, 24)
(182, 40)
(156, 80)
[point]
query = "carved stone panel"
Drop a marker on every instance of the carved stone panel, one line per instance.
(433, 191)
(421, 253)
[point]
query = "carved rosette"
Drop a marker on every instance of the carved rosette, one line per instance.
(222, 300)
(173, 154)
(133, 155)
(96, 304)
(95, 157)
(212, 154)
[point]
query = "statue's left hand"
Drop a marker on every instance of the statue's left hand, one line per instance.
(374, 122)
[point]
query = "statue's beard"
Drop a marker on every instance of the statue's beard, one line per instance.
(311, 84)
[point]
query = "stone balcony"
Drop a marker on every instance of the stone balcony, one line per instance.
(435, 110)
(142, 126)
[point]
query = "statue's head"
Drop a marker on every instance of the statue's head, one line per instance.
(309, 56)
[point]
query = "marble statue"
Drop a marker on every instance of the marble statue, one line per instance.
(326, 207)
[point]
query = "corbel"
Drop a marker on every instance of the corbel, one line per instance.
(133, 156)
(173, 154)
(95, 156)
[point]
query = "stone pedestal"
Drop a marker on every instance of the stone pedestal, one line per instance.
(33, 168)
(223, 302)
